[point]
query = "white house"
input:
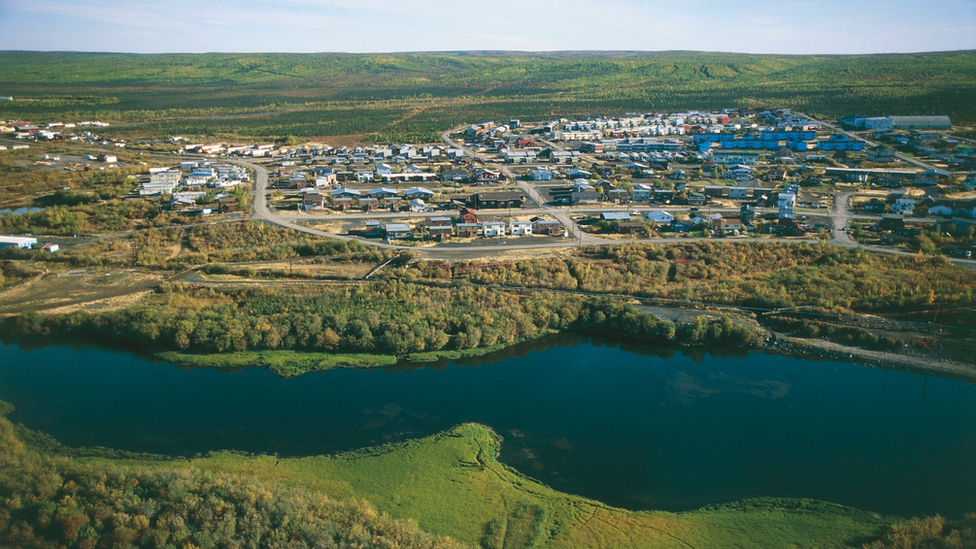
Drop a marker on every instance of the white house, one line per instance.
(520, 228)
(904, 206)
(418, 205)
(580, 185)
(659, 216)
(786, 199)
(493, 228)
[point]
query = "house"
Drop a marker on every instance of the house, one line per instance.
(227, 204)
(577, 173)
(418, 192)
(368, 204)
(630, 227)
(182, 203)
(663, 195)
(397, 231)
(381, 193)
(715, 221)
(547, 226)
(740, 172)
(732, 225)
(467, 215)
(617, 195)
(615, 216)
(740, 193)
(418, 205)
(373, 229)
(786, 211)
(641, 192)
(747, 213)
(786, 198)
(322, 181)
(697, 199)
(467, 230)
(313, 201)
(485, 176)
(904, 206)
(541, 174)
(496, 200)
(341, 204)
(660, 217)
(493, 228)
(874, 205)
(736, 158)
(881, 154)
(520, 228)
(587, 197)
(345, 193)
(457, 176)
(582, 185)
(440, 231)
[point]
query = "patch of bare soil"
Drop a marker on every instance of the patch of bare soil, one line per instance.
(78, 290)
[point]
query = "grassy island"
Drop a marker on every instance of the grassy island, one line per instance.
(450, 484)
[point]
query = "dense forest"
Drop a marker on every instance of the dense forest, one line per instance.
(765, 275)
(383, 317)
(395, 97)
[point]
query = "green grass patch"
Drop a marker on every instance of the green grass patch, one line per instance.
(433, 356)
(283, 363)
(451, 484)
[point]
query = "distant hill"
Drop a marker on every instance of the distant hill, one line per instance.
(413, 95)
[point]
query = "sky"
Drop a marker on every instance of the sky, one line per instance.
(751, 26)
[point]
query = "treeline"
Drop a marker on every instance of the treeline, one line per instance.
(374, 96)
(383, 318)
(765, 275)
(50, 502)
(929, 533)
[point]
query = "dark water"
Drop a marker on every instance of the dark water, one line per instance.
(637, 427)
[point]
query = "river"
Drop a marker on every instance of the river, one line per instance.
(639, 427)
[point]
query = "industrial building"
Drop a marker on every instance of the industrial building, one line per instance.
(897, 122)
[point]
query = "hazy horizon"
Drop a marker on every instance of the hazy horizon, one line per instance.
(788, 27)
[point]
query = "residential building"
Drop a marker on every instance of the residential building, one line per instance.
(493, 228)
(520, 228)
(496, 200)
(660, 217)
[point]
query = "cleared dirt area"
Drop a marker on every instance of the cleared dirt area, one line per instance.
(71, 291)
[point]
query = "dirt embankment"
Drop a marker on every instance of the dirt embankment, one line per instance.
(867, 357)
(69, 291)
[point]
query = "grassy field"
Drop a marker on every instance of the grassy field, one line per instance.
(391, 97)
(452, 485)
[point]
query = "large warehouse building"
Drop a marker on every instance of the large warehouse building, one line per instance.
(897, 122)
